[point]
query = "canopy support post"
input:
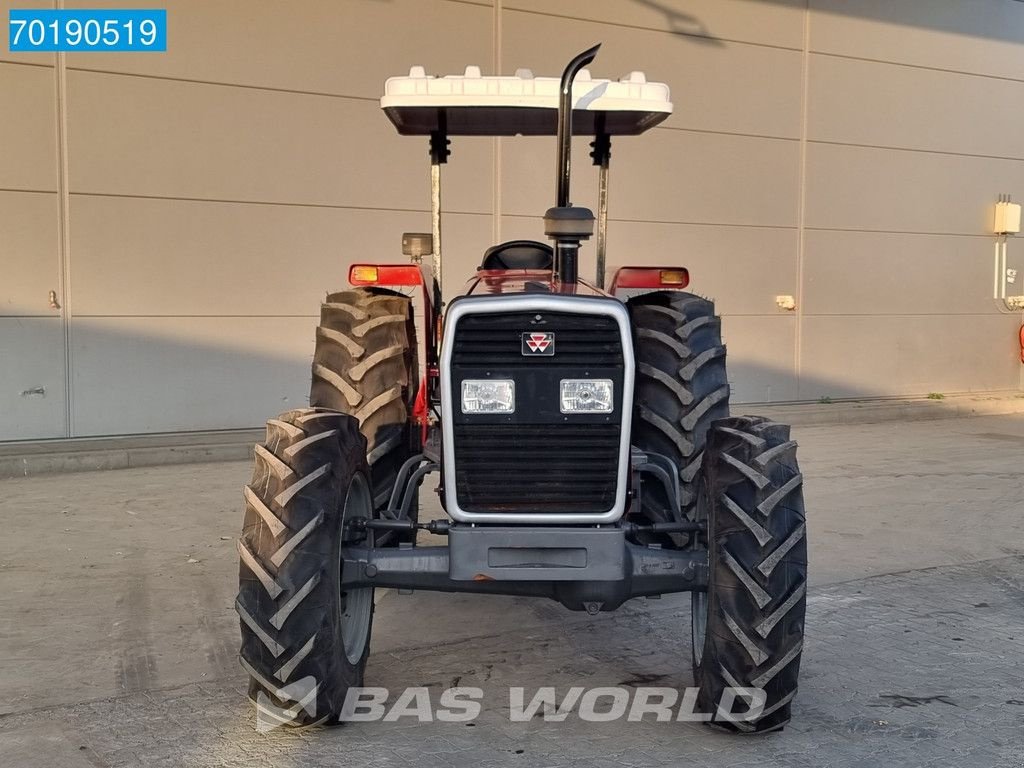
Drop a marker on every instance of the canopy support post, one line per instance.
(601, 154)
(439, 153)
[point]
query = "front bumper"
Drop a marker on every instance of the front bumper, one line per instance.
(590, 569)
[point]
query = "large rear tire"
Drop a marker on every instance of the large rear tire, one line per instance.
(365, 364)
(304, 641)
(749, 628)
(681, 387)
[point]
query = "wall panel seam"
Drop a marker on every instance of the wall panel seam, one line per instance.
(219, 84)
(717, 224)
(26, 64)
(882, 315)
(30, 191)
(920, 150)
(897, 232)
(63, 235)
(618, 24)
(801, 239)
(926, 67)
(227, 201)
(713, 131)
(762, 315)
(186, 316)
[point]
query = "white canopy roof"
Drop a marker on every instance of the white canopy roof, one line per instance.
(472, 104)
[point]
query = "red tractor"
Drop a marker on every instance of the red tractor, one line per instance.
(581, 439)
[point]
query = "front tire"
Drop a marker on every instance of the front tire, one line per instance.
(304, 641)
(365, 364)
(748, 631)
(681, 387)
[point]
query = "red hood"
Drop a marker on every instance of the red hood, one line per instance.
(497, 282)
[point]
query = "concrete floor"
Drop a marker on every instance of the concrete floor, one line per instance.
(118, 637)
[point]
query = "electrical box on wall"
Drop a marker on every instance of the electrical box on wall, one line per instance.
(1007, 219)
(1006, 222)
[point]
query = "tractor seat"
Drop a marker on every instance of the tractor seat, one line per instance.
(518, 254)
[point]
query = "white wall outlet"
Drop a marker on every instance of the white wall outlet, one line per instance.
(787, 303)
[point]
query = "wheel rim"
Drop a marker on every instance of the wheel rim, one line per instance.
(357, 604)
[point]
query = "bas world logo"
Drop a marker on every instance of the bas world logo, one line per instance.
(595, 705)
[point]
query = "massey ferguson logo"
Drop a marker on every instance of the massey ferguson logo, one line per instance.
(538, 344)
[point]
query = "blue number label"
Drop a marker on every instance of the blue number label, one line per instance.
(93, 30)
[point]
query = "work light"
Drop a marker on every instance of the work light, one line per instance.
(586, 396)
(488, 396)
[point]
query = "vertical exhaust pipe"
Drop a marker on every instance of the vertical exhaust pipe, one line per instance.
(565, 123)
(566, 225)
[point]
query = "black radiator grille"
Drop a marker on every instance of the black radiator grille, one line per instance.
(537, 460)
(536, 467)
(496, 340)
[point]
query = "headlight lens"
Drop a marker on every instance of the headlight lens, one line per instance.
(488, 396)
(586, 396)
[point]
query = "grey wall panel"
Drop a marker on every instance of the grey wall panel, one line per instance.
(865, 102)
(170, 374)
(742, 268)
(24, 58)
(32, 360)
(527, 174)
(136, 256)
(901, 191)
(722, 86)
(32, 380)
(28, 158)
(777, 23)
(465, 239)
(869, 356)
(532, 228)
(670, 176)
(140, 136)
(982, 36)
(29, 263)
(760, 357)
(868, 273)
(322, 46)
(692, 177)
